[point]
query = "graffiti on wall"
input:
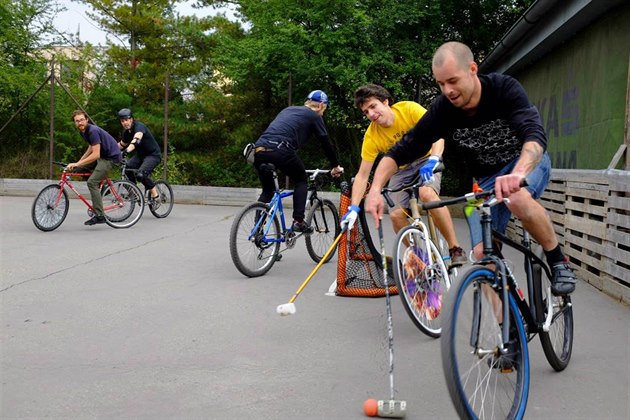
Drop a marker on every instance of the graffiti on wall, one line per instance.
(560, 116)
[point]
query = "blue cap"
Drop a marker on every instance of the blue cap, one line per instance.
(318, 96)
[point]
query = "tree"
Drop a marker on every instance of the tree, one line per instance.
(25, 26)
(291, 47)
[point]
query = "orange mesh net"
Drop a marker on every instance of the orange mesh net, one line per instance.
(359, 263)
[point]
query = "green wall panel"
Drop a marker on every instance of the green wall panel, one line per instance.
(580, 91)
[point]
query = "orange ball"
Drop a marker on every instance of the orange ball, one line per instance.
(370, 407)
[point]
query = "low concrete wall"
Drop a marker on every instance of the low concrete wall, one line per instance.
(184, 194)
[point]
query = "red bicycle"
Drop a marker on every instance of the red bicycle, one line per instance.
(123, 202)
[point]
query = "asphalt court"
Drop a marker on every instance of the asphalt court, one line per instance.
(154, 322)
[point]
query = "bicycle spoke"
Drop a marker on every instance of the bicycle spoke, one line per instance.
(483, 381)
(253, 252)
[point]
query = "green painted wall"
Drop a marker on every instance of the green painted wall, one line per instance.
(580, 91)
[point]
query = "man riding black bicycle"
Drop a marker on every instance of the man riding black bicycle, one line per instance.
(136, 136)
(491, 120)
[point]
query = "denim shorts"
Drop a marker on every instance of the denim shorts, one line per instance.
(406, 175)
(537, 182)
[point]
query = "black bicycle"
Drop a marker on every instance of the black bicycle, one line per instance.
(159, 206)
(488, 321)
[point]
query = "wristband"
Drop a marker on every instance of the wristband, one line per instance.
(354, 208)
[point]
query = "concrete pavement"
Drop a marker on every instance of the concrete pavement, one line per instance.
(154, 322)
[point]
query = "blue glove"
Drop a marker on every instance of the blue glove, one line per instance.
(426, 172)
(350, 217)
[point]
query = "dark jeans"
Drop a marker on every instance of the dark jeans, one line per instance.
(290, 164)
(144, 169)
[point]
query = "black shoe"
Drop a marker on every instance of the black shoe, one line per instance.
(96, 220)
(301, 227)
(458, 258)
(155, 202)
(563, 279)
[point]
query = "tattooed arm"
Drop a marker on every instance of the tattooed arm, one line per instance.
(531, 154)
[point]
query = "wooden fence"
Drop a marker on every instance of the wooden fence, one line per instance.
(590, 211)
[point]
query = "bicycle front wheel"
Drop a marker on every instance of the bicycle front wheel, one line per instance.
(557, 342)
(123, 204)
(50, 208)
(253, 248)
(163, 204)
(324, 219)
(421, 281)
(483, 381)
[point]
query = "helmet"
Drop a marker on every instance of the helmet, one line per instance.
(318, 96)
(124, 113)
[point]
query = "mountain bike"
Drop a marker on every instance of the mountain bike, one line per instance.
(123, 202)
(259, 229)
(488, 321)
(161, 206)
(420, 264)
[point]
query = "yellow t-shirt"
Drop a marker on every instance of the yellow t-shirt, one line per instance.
(378, 139)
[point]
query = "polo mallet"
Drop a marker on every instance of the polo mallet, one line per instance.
(387, 408)
(289, 308)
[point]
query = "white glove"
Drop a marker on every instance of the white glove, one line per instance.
(348, 219)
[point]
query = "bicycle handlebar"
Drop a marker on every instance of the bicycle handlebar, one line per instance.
(466, 198)
(416, 183)
(314, 173)
(80, 168)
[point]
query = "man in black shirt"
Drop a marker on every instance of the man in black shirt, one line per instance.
(136, 136)
(491, 120)
(287, 133)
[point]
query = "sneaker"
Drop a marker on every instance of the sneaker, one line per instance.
(155, 202)
(457, 256)
(563, 279)
(301, 227)
(96, 220)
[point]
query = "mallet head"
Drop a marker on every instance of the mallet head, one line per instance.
(286, 309)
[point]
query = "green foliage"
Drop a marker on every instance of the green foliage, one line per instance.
(227, 80)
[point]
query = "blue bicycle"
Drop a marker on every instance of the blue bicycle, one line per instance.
(259, 229)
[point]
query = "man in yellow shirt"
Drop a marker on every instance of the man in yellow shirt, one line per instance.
(389, 121)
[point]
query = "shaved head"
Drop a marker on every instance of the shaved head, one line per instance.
(458, 51)
(455, 71)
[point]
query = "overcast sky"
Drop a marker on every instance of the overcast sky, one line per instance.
(75, 18)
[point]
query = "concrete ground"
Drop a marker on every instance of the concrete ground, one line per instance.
(154, 322)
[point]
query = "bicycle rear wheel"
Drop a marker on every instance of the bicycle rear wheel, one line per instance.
(421, 284)
(162, 206)
(253, 252)
(324, 219)
(123, 204)
(483, 382)
(557, 343)
(50, 208)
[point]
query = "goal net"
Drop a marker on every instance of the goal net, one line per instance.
(359, 262)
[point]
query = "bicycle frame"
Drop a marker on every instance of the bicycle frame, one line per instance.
(430, 233)
(276, 207)
(66, 180)
(505, 280)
